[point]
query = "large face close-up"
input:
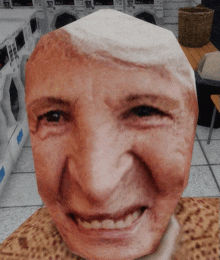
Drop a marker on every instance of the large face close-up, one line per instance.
(112, 146)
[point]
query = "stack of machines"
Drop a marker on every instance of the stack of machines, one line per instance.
(19, 34)
(22, 22)
(53, 14)
(62, 12)
(38, 6)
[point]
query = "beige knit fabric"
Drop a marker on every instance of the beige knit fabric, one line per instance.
(38, 238)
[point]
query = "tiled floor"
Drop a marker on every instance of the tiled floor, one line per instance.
(20, 198)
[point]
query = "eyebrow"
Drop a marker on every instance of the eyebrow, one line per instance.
(45, 102)
(161, 99)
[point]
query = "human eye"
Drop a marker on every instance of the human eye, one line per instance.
(145, 116)
(146, 111)
(53, 122)
(54, 116)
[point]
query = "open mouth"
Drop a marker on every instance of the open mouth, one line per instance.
(109, 223)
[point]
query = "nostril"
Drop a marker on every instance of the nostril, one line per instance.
(72, 216)
(143, 209)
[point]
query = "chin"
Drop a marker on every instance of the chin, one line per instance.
(112, 253)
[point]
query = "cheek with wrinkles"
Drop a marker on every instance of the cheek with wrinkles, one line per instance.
(49, 162)
(165, 162)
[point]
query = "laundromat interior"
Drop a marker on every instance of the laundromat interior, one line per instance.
(22, 23)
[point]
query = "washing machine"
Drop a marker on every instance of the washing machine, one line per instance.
(7, 67)
(147, 10)
(108, 4)
(27, 37)
(13, 118)
(32, 32)
(14, 88)
(62, 12)
(38, 6)
(16, 3)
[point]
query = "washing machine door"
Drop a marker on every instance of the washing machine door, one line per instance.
(3, 135)
(64, 19)
(13, 102)
(22, 68)
(146, 17)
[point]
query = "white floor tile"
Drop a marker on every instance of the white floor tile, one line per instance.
(25, 161)
(198, 156)
(12, 218)
(21, 190)
(203, 132)
(212, 151)
(201, 183)
(216, 171)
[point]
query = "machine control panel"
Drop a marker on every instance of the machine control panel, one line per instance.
(88, 3)
(22, 3)
(13, 4)
(4, 57)
(14, 48)
(33, 24)
(103, 2)
(6, 3)
(19, 39)
(149, 2)
(64, 2)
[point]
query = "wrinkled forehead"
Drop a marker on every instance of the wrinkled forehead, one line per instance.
(115, 39)
(112, 36)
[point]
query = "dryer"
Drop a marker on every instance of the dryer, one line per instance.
(27, 37)
(108, 4)
(146, 10)
(13, 119)
(37, 6)
(29, 16)
(7, 67)
(62, 12)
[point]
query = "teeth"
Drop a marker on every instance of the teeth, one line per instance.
(108, 224)
(111, 224)
(120, 224)
(86, 224)
(96, 224)
(129, 220)
(136, 214)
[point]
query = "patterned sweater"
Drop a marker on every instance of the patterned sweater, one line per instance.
(38, 237)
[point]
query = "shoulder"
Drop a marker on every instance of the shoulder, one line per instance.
(199, 220)
(36, 238)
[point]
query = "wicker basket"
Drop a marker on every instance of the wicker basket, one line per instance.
(195, 24)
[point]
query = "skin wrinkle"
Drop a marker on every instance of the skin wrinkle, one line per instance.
(65, 43)
(92, 144)
(66, 51)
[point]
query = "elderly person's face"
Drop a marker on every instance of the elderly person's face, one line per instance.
(112, 149)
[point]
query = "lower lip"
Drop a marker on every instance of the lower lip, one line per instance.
(109, 233)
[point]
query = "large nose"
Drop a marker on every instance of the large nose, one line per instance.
(102, 161)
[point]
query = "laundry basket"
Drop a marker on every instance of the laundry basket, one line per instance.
(195, 24)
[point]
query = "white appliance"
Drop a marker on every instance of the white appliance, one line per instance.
(13, 119)
(62, 12)
(146, 10)
(28, 36)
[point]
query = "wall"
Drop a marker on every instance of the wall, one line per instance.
(171, 8)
